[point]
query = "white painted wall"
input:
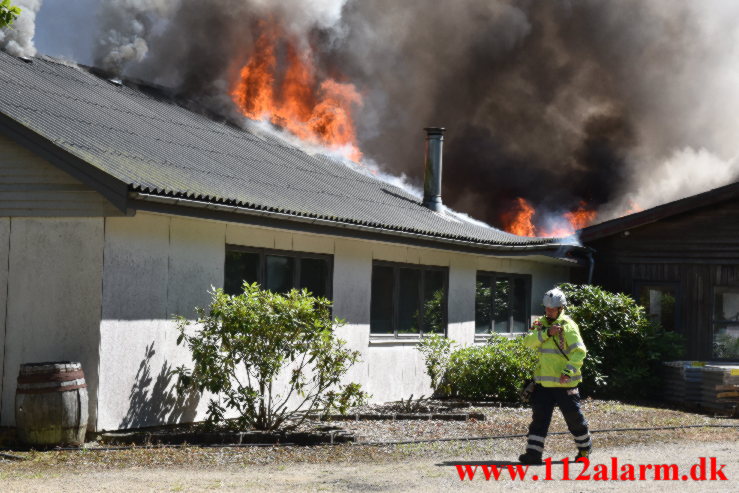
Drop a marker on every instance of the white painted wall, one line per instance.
(53, 276)
(110, 287)
(155, 267)
(4, 249)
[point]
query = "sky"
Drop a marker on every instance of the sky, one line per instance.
(66, 29)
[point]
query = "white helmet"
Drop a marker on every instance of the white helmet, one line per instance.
(554, 298)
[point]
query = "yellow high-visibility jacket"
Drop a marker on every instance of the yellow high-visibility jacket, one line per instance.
(552, 364)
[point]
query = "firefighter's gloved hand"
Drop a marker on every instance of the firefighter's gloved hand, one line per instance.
(554, 330)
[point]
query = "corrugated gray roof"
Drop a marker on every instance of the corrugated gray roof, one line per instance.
(156, 146)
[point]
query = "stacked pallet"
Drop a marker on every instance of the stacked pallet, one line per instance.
(721, 386)
(682, 381)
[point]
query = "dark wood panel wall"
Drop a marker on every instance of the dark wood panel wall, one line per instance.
(694, 252)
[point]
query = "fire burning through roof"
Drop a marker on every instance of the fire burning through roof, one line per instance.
(547, 104)
(520, 220)
(280, 84)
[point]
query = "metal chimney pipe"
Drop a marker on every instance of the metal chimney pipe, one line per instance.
(432, 173)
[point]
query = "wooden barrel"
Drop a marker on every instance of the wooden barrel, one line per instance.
(51, 404)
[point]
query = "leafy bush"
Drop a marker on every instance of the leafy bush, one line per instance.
(436, 350)
(493, 371)
(625, 349)
(244, 342)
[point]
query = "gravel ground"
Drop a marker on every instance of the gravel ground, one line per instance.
(405, 467)
(427, 467)
(515, 420)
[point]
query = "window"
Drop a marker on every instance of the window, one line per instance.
(408, 299)
(726, 323)
(659, 302)
(502, 303)
(278, 271)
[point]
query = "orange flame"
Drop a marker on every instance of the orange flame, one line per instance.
(633, 208)
(290, 95)
(519, 220)
(580, 217)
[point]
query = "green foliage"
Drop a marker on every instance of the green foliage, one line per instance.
(8, 13)
(493, 371)
(436, 350)
(245, 343)
(488, 309)
(726, 346)
(625, 349)
(483, 306)
(433, 312)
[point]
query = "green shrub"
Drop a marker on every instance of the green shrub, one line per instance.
(492, 371)
(436, 350)
(243, 342)
(625, 350)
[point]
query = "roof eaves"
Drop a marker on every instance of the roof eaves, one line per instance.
(657, 213)
(179, 202)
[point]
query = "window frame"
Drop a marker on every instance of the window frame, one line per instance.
(295, 255)
(673, 285)
(717, 323)
(396, 266)
(527, 303)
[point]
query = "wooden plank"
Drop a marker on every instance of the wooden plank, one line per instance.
(723, 395)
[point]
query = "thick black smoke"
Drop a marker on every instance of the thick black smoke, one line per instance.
(558, 101)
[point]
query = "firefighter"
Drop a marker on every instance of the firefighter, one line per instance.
(561, 353)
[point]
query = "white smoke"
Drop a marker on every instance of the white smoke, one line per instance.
(17, 39)
(689, 101)
(684, 173)
(300, 16)
(125, 28)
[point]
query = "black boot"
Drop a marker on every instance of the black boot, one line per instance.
(583, 452)
(531, 457)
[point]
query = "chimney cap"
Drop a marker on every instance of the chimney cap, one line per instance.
(434, 130)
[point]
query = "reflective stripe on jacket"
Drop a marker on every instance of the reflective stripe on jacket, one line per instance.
(552, 364)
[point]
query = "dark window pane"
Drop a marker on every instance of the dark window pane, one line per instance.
(659, 305)
(433, 301)
(501, 309)
(726, 331)
(279, 275)
(408, 309)
(520, 297)
(381, 312)
(726, 304)
(483, 304)
(314, 276)
(240, 267)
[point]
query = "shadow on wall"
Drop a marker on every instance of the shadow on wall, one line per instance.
(156, 401)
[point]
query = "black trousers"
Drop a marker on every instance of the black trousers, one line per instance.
(543, 400)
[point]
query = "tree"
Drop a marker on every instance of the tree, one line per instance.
(8, 13)
(247, 344)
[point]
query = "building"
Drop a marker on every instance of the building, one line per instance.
(680, 260)
(120, 208)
